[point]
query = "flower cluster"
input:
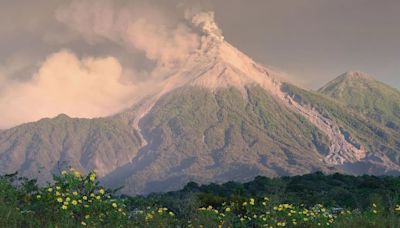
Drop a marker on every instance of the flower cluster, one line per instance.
(397, 208)
(80, 197)
(154, 217)
(261, 213)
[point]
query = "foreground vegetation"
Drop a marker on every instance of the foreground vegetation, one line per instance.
(316, 200)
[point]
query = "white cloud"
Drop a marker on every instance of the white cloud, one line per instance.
(88, 87)
(93, 87)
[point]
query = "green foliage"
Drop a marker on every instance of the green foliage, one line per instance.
(72, 200)
(336, 190)
(76, 200)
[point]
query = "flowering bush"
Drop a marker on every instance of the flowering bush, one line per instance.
(76, 200)
(253, 213)
(73, 199)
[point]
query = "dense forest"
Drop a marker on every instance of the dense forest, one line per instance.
(336, 190)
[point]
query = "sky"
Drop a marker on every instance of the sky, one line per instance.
(94, 57)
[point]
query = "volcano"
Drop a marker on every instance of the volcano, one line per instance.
(219, 116)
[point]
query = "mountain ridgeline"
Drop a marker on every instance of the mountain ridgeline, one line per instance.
(220, 117)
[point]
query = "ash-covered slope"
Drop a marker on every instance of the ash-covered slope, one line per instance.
(217, 117)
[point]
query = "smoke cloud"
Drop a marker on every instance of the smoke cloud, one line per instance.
(164, 33)
(88, 87)
(162, 38)
(205, 21)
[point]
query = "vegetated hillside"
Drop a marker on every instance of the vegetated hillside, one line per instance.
(382, 145)
(52, 144)
(196, 134)
(365, 95)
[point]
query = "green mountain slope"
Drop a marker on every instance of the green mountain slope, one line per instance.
(198, 135)
(365, 95)
(382, 143)
(52, 144)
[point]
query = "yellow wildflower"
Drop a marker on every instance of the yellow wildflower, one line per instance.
(251, 201)
(75, 193)
(64, 207)
(227, 209)
(59, 199)
(83, 223)
(98, 197)
(74, 202)
(114, 205)
(281, 224)
(49, 189)
(67, 199)
(77, 174)
(148, 216)
(38, 196)
(84, 197)
(101, 191)
(92, 177)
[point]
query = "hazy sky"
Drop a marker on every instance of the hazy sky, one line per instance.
(316, 40)
(312, 41)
